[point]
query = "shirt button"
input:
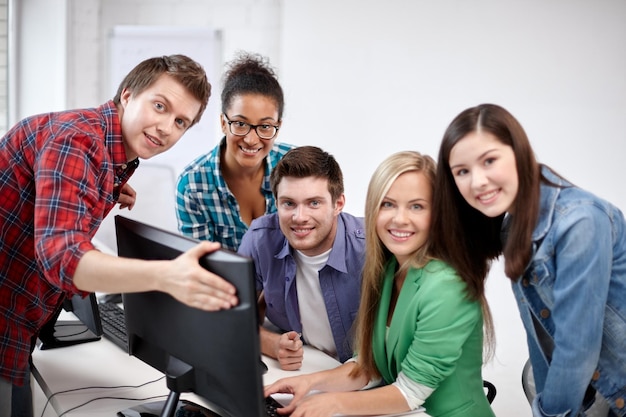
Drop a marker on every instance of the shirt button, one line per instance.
(124, 166)
(545, 313)
(596, 375)
(117, 184)
(619, 403)
(525, 282)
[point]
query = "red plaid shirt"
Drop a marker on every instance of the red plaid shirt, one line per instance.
(60, 174)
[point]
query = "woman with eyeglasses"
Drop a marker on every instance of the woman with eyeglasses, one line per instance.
(220, 193)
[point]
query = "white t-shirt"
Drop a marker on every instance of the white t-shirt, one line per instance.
(316, 329)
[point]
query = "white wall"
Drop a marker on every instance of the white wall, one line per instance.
(365, 78)
(41, 68)
(362, 67)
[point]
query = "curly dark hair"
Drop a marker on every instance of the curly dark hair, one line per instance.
(251, 73)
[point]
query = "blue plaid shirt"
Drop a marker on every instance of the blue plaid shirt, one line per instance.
(205, 207)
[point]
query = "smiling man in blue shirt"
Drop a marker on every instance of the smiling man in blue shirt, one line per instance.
(308, 258)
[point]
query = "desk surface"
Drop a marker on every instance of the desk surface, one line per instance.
(107, 376)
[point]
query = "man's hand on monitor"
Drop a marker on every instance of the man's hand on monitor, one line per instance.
(193, 285)
(290, 351)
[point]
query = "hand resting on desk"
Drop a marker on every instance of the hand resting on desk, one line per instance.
(286, 348)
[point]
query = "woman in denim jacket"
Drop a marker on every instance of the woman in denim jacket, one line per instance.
(564, 251)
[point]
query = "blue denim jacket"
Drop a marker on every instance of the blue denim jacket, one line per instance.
(340, 279)
(575, 285)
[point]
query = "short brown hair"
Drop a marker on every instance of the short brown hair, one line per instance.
(183, 69)
(309, 161)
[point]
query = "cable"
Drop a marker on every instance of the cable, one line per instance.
(100, 387)
(111, 398)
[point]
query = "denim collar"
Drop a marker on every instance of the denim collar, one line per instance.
(547, 202)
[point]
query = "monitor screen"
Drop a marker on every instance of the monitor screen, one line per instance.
(213, 354)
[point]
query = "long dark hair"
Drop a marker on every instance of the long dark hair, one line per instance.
(463, 236)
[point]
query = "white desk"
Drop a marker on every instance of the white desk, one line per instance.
(103, 365)
(94, 364)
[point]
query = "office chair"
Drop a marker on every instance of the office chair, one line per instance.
(491, 391)
(528, 382)
(598, 409)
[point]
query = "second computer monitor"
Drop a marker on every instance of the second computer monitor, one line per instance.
(213, 354)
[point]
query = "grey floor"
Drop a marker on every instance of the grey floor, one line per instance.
(39, 401)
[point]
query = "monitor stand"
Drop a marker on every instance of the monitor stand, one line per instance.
(60, 333)
(169, 409)
(158, 408)
(180, 378)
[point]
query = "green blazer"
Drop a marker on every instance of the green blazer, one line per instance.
(435, 338)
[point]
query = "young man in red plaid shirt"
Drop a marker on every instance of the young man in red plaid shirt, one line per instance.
(60, 174)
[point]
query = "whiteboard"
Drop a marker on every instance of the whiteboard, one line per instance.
(129, 45)
(155, 180)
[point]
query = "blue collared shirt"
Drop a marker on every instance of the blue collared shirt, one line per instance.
(575, 285)
(206, 209)
(340, 279)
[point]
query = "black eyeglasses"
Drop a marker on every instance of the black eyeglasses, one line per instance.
(264, 131)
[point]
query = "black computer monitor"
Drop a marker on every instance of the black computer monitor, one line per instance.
(213, 354)
(60, 333)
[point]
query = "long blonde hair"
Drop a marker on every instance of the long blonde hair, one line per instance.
(376, 254)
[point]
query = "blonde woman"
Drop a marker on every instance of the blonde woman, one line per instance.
(419, 335)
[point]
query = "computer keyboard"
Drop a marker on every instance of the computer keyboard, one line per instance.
(186, 408)
(270, 407)
(113, 324)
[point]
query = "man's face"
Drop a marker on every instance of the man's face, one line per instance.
(307, 214)
(154, 120)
